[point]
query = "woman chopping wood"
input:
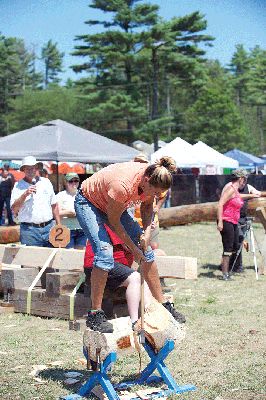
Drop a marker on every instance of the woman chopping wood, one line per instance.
(104, 199)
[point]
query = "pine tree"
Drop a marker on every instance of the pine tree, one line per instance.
(112, 92)
(53, 61)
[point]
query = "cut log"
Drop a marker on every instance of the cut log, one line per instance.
(9, 234)
(159, 326)
(61, 282)
(192, 213)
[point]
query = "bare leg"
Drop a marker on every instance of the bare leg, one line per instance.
(132, 283)
(151, 276)
(98, 282)
(225, 264)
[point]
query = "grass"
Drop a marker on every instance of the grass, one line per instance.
(223, 353)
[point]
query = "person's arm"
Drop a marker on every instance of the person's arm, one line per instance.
(249, 196)
(253, 190)
(160, 203)
(55, 211)
(18, 203)
(147, 216)
(114, 212)
(63, 212)
(226, 195)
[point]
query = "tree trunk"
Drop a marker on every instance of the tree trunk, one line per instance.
(182, 215)
(159, 326)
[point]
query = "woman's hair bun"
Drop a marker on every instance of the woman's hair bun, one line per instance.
(169, 163)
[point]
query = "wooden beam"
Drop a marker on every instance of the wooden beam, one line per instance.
(61, 282)
(177, 267)
(31, 256)
(15, 277)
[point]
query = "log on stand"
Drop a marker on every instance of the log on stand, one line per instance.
(159, 326)
(192, 213)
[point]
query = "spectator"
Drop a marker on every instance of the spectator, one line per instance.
(6, 185)
(33, 200)
(228, 215)
(236, 262)
(65, 200)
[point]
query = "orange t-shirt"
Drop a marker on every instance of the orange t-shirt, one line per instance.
(137, 213)
(118, 181)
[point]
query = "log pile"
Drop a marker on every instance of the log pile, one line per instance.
(51, 295)
(159, 326)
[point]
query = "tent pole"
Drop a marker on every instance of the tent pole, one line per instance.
(57, 177)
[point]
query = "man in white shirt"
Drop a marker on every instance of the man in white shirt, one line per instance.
(33, 201)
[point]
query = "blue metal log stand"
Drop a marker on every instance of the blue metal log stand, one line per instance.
(156, 362)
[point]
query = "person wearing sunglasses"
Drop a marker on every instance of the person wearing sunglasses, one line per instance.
(65, 200)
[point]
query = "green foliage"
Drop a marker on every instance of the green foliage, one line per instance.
(215, 120)
(16, 74)
(37, 107)
(53, 61)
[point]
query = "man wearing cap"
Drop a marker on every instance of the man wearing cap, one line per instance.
(236, 259)
(65, 200)
(33, 200)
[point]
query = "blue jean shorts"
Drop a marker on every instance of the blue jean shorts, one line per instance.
(34, 236)
(77, 239)
(92, 221)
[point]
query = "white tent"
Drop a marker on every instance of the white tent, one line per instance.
(182, 152)
(213, 157)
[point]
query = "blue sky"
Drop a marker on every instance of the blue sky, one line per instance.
(36, 21)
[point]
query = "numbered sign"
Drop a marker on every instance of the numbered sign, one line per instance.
(59, 236)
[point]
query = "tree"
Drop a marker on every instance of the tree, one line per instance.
(110, 63)
(215, 120)
(174, 52)
(240, 68)
(53, 61)
(15, 75)
(36, 107)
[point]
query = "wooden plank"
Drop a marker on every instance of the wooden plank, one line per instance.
(177, 267)
(61, 282)
(31, 256)
(15, 277)
(45, 306)
(58, 307)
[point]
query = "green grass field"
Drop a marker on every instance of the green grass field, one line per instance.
(223, 353)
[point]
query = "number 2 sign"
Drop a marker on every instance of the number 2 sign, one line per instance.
(59, 236)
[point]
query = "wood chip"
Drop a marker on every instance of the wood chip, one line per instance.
(73, 374)
(71, 381)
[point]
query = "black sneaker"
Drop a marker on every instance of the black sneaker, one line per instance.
(177, 315)
(97, 321)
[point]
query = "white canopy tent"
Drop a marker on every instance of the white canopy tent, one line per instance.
(213, 157)
(182, 152)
